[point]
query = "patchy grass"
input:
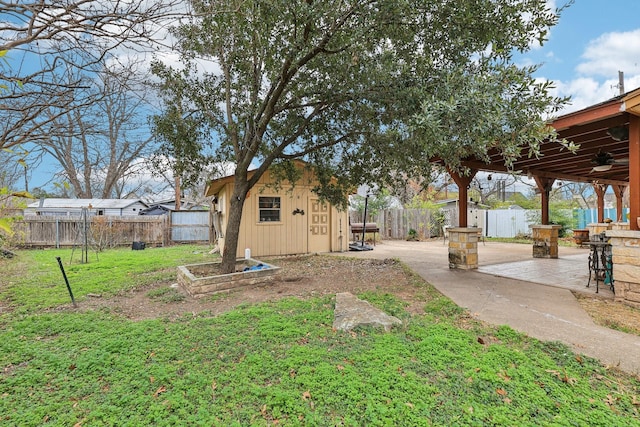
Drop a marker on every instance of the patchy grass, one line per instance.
(282, 363)
(34, 280)
(611, 314)
(166, 295)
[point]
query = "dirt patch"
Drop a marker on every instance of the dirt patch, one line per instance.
(611, 314)
(309, 276)
(301, 277)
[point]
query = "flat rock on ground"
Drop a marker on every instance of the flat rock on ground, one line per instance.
(351, 312)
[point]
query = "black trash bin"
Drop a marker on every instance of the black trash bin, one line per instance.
(138, 246)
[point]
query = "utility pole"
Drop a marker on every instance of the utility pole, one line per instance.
(621, 82)
(178, 191)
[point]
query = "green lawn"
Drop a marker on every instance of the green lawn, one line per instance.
(34, 279)
(277, 363)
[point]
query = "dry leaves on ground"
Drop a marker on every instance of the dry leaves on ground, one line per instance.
(611, 314)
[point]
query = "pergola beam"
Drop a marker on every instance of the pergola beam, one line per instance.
(600, 190)
(535, 172)
(597, 113)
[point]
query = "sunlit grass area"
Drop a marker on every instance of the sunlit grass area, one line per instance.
(277, 363)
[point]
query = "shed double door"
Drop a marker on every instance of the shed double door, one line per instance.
(319, 222)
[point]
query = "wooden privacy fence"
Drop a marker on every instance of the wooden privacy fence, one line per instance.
(110, 231)
(98, 231)
(396, 223)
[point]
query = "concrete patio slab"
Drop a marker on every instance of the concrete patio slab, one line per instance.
(530, 295)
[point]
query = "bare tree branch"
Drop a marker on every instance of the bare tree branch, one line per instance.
(43, 41)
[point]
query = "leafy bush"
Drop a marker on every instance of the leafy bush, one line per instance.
(412, 235)
(558, 216)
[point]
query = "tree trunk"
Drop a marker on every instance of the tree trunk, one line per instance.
(178, 190)
(240, 189)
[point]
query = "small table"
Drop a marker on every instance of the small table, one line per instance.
(600, 264)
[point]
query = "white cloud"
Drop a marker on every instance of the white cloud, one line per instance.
(597, 79)
(585, 91)
(588, 91)
(611, 52)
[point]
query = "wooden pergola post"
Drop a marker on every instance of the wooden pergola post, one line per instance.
(634, 171)
(544, 185)
(618, 190)
(600, 190)
(463, 183)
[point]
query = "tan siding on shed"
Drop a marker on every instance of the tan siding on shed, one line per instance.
(288, 236)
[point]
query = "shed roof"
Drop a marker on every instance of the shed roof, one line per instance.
(214, 186)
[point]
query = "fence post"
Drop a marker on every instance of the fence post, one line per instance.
(66, 281)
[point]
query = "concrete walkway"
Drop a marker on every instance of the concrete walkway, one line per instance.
(530, 295)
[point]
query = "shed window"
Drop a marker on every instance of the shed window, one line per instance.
(269, 209)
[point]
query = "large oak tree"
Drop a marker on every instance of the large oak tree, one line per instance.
(365, 91)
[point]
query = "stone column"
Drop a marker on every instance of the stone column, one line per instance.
(463, 247)
(625, 248)
(619, 226)
(545, 240)
(598, 227)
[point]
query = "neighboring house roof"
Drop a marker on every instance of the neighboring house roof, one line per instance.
(156, 210)
(185, 204)
(447, 201)
(53, 203)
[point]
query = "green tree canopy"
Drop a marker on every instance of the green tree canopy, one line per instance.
(363, 91)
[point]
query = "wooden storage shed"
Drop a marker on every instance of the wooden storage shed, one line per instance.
(288, 220)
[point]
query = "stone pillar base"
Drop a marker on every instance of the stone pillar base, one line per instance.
(625, 250)
(545, 240)
(463, 248)
(598, 227)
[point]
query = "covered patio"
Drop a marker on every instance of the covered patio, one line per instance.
(608, 135)
(568, 271)
(608, 156)
(547, 311)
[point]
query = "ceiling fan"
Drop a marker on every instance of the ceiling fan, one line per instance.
(619, 133)
(603, 161)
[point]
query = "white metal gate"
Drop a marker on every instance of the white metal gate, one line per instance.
(190, 226)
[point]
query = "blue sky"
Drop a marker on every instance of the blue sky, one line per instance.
(593, 40)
